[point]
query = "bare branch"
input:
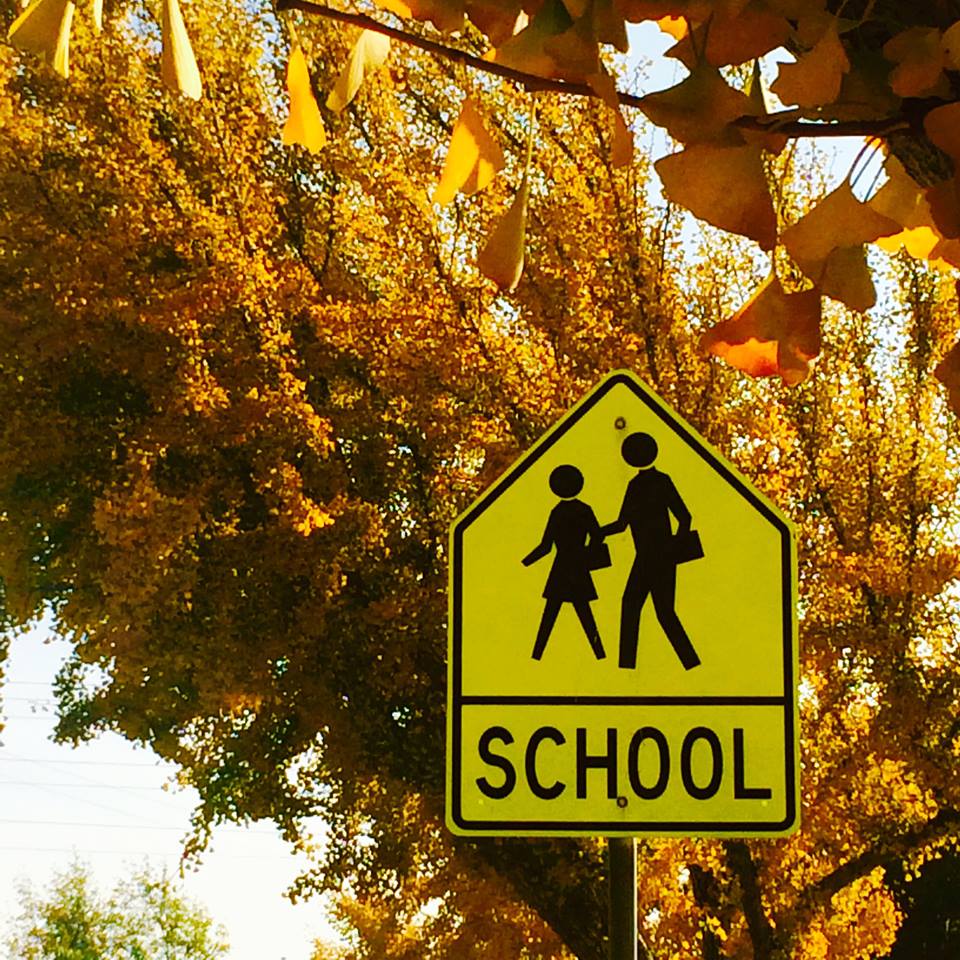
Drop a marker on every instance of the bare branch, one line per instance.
(785, 123)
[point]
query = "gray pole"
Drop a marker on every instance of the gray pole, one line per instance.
(622, 864)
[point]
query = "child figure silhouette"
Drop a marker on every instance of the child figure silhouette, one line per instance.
(570, 524)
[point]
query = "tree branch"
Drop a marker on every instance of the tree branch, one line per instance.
(785, 123)
(766, 946)
(819, 893)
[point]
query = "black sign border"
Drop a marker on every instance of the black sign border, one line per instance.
(456, 699)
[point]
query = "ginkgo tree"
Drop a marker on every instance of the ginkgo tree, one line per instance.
(889, 71)
(247, 386)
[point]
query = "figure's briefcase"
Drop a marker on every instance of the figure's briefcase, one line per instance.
(686, 546)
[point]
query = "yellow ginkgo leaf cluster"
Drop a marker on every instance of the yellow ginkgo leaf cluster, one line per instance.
(44, 26)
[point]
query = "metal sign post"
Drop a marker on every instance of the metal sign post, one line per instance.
(622, 880)
(622, 872)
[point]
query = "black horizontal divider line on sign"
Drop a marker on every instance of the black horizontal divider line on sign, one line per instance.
(614, 701)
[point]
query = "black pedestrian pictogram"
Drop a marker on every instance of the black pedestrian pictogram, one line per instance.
(573, 530)
(649, 500)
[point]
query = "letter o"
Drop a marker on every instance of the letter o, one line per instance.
(633, 763)
(686, 765)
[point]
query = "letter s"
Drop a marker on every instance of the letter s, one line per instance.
(495, 760)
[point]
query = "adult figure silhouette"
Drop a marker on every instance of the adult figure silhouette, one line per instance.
(649, 500)
(570, 526)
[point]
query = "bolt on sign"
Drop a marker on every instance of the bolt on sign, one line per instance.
(622, 637)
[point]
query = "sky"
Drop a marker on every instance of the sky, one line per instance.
(105, 805)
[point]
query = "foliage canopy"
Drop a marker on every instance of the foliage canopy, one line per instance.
(246, 389)
(144, 918)
(887, 70)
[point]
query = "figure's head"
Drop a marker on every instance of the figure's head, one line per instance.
(566, 481)
(639, 450)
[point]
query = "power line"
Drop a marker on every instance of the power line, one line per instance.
(84, 786)
(13, 821)
(87, 826)
(283, 855)
(95, 763)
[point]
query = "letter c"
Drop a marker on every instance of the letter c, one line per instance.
(530, 762)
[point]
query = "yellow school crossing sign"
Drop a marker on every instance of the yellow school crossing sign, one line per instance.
(622, 637)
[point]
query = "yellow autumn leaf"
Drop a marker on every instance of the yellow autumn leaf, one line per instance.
(754, 89)
(903, 201)
(528, 51)
(698, 109)
(43, 29)
(816, 77)
(725, 186)
(827, 245)
(950, 45)
(501, 259)
(395, 6)
(96, 10)
(621, 148)
(367, 55)
(773, 333)
(304, 124)
(178, 66)
(473, 158)
(919, 242)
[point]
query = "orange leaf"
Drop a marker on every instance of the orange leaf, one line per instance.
(699, 108)
(944, 200)
(943, 128)
(304, 124)
(816, 76)
(725, 186)
(919, 61)
(827, 245)
(637, 10)
(473, 157)
(773, 333)
(733, 37)
(497, 20)
(501, 260)
(675, 27)
(446, 15)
